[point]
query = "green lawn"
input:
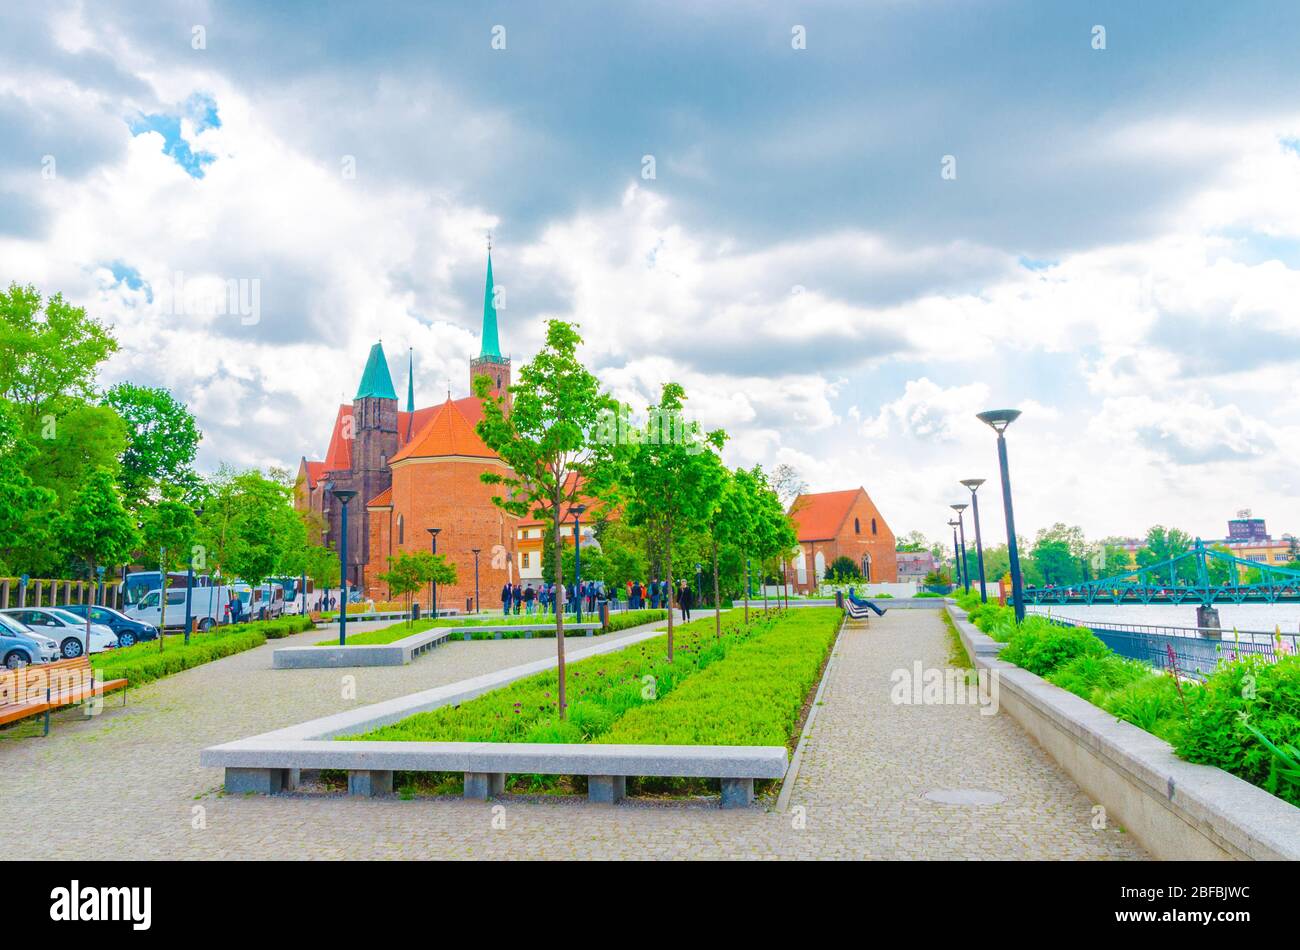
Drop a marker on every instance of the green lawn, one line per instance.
(401, 629)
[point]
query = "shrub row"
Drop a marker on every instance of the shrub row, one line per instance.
(1245, 705)
(752, 697)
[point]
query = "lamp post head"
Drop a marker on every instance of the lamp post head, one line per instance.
(475, 550)
(344, 495)
(998, 419)
(433, 531)
(576, 510)
(972, 483)
(952, 524)
(959, 508)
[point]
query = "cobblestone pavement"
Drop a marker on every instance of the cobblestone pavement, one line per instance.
(128, 784)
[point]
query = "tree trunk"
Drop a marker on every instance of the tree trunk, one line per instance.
(92, 600)
(559, 613)
(746, 590)
(717, 601)
(785, 581)
(762, 571)
(668, 564)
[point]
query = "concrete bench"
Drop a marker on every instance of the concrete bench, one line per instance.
(269, 768)
(397, 653)
(468, 630)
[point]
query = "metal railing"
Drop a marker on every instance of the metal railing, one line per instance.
(1196, 651)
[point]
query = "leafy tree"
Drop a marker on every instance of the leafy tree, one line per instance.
(48, 350)
(667, 480)
(162, 439)
(408, 571)
(843, 569)
(1053, 558)
(788, 483)
(556, 443)
(77, 439)
(322, 566)
(1164, 544)
(913, 542)
(96, 528)
(27, 511)
(168, 530)
(249, 528)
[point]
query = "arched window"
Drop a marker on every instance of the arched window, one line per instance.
(857, 526)
(873, 525)
(401, 530)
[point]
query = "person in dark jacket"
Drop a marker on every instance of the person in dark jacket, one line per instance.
(506, 593)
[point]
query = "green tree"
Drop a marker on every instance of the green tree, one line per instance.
(913, 541)
(843, 569)
(667, 480)
(27, 511)
(167, 531)
(1053, 558)
(48, 349)
(408, 571)
(1164, 544)
(96, 527)
(162, 439)
(556, 443)
(78, 438)
(249, 528)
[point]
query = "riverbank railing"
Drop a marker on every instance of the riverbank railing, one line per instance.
(1196, 651)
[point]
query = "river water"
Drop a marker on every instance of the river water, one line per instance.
(1253, 617)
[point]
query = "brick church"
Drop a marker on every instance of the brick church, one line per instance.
(841, 524)
(416, 470)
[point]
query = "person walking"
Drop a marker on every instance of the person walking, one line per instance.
(684, 599)
(506, 592)
(530, 596)
(518, 598)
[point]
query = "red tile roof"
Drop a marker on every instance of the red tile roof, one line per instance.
(383, 500)
(409, 427)
(448, 431)
(818, 517)
(338, 456)
(314, 472)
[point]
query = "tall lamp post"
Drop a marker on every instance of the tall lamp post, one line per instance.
(998, 420)
(476, 550)
(699, 581)
(961, 526)
(433, 585)
(343, 496)
(973, 484)
(956, 551)
(189, 584)
(577, 562)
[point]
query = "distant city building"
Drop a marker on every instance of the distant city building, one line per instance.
(1245, 528)
(915, 565)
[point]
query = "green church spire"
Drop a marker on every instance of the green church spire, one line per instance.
(376, 380)
(410, 381)
(491, 346)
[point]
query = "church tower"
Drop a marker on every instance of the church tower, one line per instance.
(490, 362)
(374, 442)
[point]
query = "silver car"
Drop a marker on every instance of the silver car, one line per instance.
(68, 629)
(20, 646)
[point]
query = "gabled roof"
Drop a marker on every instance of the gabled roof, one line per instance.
(314, 471)
(448, 431)
(819, 517)
(383, 500)
(339, 454)
(376, 380)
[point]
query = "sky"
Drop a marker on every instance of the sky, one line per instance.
(845, 228)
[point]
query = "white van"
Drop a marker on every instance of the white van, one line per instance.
(207, 606)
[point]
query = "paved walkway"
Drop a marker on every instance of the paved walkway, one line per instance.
(128, 784)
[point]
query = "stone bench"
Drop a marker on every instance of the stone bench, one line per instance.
(397, 653)
(269, 768)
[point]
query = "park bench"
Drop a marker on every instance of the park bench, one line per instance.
(267, 767)
(43, 687)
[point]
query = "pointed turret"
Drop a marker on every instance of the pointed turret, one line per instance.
(376, 380)
(490, 362)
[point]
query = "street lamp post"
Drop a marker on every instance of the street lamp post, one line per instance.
(961, 526)
(577, 562)
(956, 552)
(433, 584)
(476, 550)
(973, 484)
(343, 495)
(998, 420)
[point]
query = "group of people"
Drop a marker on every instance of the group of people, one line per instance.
(545, 597)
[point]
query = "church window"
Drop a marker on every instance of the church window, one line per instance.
(857, 526)
(873, 526)
(401, 530)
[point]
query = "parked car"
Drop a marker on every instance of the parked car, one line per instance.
(207, 608)
(68, 629)
(21, 646)
(128, 631)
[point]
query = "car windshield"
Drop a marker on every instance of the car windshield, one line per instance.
(71, 618)
(12, 626)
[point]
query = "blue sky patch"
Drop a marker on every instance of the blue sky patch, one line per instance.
(201, 110)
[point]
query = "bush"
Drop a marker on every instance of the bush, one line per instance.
(1152, 704)
(1094, 678)
(1042, 647)
(1250, 691)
